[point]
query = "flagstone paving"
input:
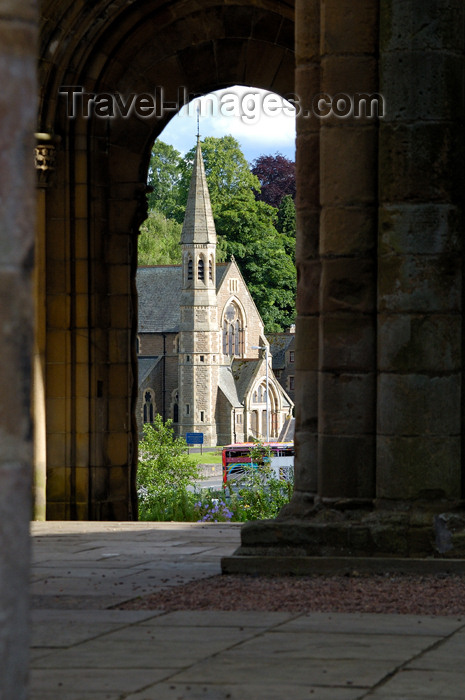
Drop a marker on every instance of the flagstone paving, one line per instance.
(82, 648)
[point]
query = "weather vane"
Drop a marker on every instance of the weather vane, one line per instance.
(198, 121)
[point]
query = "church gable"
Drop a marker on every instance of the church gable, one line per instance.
(240, 323)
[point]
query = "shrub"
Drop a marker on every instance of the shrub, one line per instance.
(164, 473)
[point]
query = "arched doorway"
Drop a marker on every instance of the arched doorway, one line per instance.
(94, 201)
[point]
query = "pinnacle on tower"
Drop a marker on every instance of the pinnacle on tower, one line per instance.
(198, 226)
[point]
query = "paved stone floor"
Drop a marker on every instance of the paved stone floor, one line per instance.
(83, 649)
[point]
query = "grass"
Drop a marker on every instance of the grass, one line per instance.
(207, 457)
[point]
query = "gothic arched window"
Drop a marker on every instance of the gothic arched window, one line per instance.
(190, 273)
(233, 331)
(201, 269)
(210, 270)
(148, 407)
(175, 404)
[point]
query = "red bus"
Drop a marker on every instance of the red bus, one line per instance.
(237, 456)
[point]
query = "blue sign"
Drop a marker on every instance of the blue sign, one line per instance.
(194, 438)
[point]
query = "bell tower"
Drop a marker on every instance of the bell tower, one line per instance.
(199, 333)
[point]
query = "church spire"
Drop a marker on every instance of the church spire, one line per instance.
(198, 226)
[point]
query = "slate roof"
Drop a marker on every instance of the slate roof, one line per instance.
(221, 269)
(198, 226)
(244, 372)
(159, 290)
(227, 385)
(279, 343)
(146, 365)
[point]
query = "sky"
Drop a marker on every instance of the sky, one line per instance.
(262, 122)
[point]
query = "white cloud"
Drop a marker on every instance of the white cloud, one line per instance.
(263, 123)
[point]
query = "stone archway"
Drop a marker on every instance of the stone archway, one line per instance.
(94, 202)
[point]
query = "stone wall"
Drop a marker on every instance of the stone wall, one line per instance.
(18, 41)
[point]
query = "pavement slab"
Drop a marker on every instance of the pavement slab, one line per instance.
(83, 648)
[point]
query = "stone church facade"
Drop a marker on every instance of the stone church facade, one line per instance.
(201, 343)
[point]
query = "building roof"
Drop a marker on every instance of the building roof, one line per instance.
(159, 291)
(159, 288)
(198, 226)
(279, 343)
(227, 385)
(145, 366)
(244, 372)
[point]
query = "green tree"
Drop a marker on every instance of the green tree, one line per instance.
(165, 171)
(227, 170)
(286, 220)
(159, 240)
(286, 223)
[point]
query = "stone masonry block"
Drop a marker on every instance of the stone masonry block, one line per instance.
(57, 484)
(308, 285)
(346, 466)
(56, 380)
(306, 395)
(420, 162)
(348, 284)
(436, 93)
(419, 343)
(308, 224)
(431, 24)
(117, 448)
(346, 404)
(349, 26)
(58, 311)
(348, 231)
(81, 481)
(416, 404)
(118, 380)
(420, 229)
(348, 340)
(410, 467)
(348, 165)
(306, 343)
(307, 170)
(349, 75)
(306, 461)
(82, 449)
(57, 450)
(57, 415)
(420, 284)
(307, 30)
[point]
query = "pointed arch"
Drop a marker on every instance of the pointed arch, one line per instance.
(233, 325)
(201, 269)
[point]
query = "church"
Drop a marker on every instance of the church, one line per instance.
(204, 360)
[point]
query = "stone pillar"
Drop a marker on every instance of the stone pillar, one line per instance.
(44, 163)
(420, 252)
(389, 335)
(347, 299)
(307, 84)
(18, 29)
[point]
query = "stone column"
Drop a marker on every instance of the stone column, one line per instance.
(307, 84)
(400, 379)
(336, 254)
(347, 299)
(420, 252)
(44, 163)
(18, 27)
